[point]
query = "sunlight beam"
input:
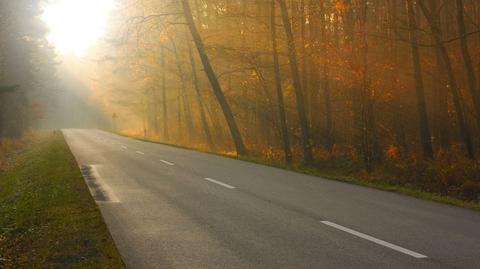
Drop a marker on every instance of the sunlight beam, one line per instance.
(75, 25)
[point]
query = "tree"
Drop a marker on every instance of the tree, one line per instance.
(212, 77)
(27, 68)
(464, 130)
(467, 59)
(198, 96)
(297, 79)
(278, 87)
(304, 127)
(425, 136)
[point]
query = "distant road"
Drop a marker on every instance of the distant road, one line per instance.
(173, 208)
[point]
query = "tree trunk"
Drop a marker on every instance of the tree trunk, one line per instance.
(464, 130)
(196, 86)
(370, 146)
(156, 127)
(330, 138)
(305, 56)
(304, 127)
(398, 106)
(164, 96)
(278, 86)
(472, 83)
(425, 136)
(184, 96)
(179, 137)
(212, 77)
(441, 103)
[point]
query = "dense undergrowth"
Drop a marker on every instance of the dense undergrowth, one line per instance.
(450, 174)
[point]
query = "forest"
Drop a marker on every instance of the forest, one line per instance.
(27, 75)
(27, 67)
(239, 134)
(385, 89)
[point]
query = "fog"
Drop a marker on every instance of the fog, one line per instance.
(74, 105)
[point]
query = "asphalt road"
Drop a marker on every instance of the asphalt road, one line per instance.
(174, 208)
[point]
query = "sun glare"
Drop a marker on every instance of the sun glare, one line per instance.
(76, 25)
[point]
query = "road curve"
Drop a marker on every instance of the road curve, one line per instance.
(174, 208)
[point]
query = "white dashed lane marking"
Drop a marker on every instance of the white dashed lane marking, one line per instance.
(375, 240)
(167, 163)
(220, 183)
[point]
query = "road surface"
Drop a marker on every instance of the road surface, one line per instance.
(174, 208)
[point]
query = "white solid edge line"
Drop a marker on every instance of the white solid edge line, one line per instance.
(166, 162)
(141, 153)
(220, 183)
(375, 240)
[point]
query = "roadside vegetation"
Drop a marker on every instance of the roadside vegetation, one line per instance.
(48, 218)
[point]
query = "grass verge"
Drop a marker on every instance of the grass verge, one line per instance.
(338, 176)
(48, 218)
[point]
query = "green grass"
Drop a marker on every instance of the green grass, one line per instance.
(339, 176)
(48, 218)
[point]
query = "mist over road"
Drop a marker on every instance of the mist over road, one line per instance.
(174, 208)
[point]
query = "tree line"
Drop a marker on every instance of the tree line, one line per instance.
(366, 81)
(27, 67)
